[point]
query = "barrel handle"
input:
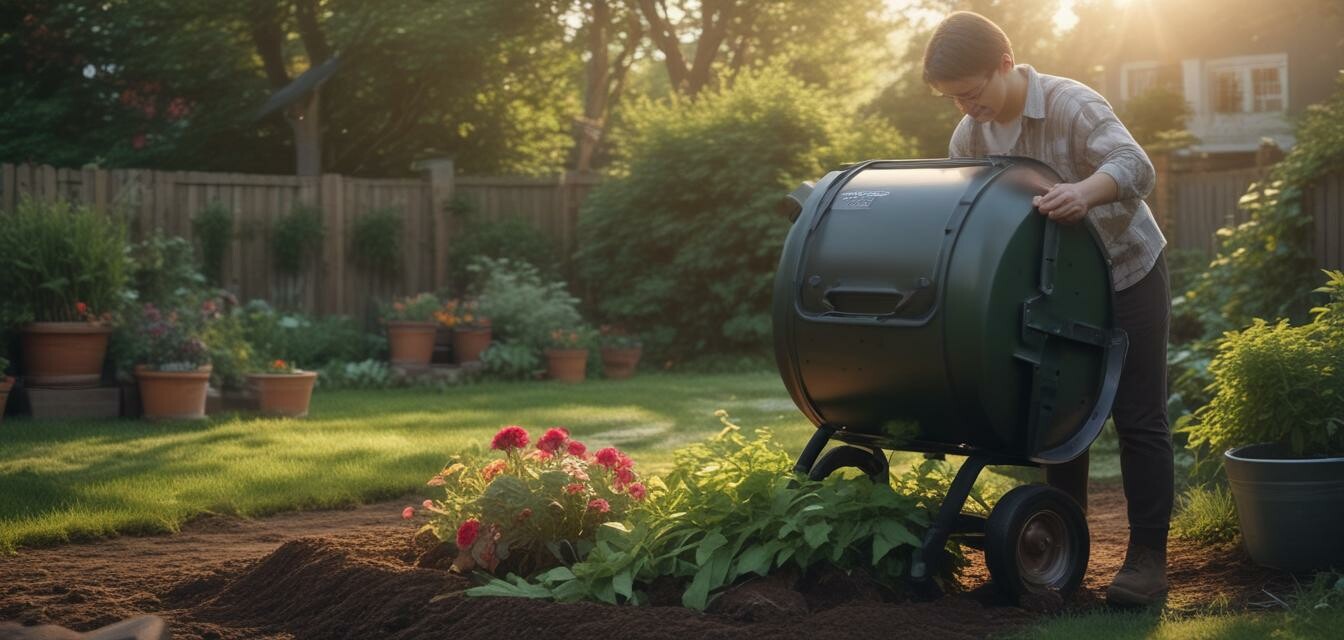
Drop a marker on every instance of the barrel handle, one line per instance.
(901, 298)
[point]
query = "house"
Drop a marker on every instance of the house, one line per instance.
(1245, 67)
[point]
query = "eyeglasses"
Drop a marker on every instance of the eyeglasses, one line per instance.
(971, 97)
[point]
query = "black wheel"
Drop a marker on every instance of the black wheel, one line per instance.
(870, 461)
(1036, 541)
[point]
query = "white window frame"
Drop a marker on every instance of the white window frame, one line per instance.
(1125, 90)
(1243, 66)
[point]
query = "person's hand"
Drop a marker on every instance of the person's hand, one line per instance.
(1064, 203)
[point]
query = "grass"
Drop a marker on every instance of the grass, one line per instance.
(1206, 514)
(1154, 626)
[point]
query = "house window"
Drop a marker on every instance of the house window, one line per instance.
(1249, 84)
(1140, 81)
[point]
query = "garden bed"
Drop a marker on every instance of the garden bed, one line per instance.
(352, 574)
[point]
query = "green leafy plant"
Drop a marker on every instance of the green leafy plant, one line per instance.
(297, 238)
(169, 340)
(312, 341)
(55, 257)
(511, 361)
(616, 337)
(163, 272)
(375, 241)
(420, 307)
(462, 314)
(509, 237)
(580, 337)
(1263, 266)
(523, 307)
(531, 510)
(1206, 514)
(365, 374)
(688, 213)
(1262, 375)
(213, 228)
(730, 509)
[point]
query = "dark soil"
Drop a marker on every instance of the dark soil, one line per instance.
(354, 574)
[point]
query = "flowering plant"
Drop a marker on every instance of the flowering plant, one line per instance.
(577, 338)
(171, 340)
(280, 366)
(616, 337)
(530, 509)
(417, 308)
(462, 314)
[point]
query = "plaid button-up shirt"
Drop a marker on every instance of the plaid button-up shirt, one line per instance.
(1072, 129)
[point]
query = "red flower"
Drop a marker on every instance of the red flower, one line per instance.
(466, 534)
(637, 491)
(428, 504)
(576, 448)
(408, 513)
(574, 488)
(624, 475)
(609, 457)
(81, 308)
(511, 437)
(554, 438)
(599, 505)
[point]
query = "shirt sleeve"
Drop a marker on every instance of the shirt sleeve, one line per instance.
(960, 144)
(1109, 148)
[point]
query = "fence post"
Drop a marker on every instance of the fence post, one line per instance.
(1163, 193)
(441, 186)
(331, 201)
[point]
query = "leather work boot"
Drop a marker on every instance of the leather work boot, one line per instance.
(1142, 580)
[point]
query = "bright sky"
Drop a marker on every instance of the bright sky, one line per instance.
(1064, 17)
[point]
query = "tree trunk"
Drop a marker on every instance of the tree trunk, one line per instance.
(303, 119)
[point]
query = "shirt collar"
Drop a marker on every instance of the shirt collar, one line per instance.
(1035, 105)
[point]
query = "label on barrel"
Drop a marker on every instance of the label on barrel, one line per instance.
(852, 200)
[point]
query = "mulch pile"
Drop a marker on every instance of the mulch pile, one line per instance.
(353, 574)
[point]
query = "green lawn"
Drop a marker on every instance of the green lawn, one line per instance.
(63, 481)
(1324, 623)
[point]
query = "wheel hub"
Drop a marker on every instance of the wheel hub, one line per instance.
(1043, 550)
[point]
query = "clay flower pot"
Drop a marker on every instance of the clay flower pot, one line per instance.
(411, 343)
(283, 394)
(173, 395)
(64, 355)
(566, 365)
(618, 363)
(468, 344)
(6, 384)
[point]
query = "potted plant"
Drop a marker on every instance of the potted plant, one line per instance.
(174, 364)
(63, 270)
(283, 390)
(620, 352)
(6, 383)
(410, 329)
(1278, 415)
(471, 329)
(567, 355)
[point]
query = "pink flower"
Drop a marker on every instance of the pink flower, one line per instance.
(576, 448)
(599, 505)
(408, 513)
(574, 488)
(508, 438)
(436, 481)
(624, 475)
(493, 469)
(637, 491)
(554, 438)
(466, 534)
(609, 457)
(540, 455)
(428, 504)
(575, 470)
(81, 308)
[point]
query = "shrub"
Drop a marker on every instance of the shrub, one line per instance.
(1206, 514)
(297, 238)
(169, 340)
(511, 361)
(1263, 266)
(510, 237)
(213, 228)
(308, 341)
(366, 374)
(54, 256)
(375, 242)
(521, 305)
(1263, 374)
(163, 272)
(531, 510)
(420, 307)
(681, 242)
(232, 355)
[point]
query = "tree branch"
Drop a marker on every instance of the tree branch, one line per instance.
(665, 38)
(269, 36)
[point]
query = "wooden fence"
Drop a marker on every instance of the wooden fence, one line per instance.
(167, 200)
(1201, 203)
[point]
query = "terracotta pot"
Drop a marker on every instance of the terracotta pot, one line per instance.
(566, 365)
(411, 343)
(283, 394)
(618, 363)
(64, 355)
(173, 395)
(5, 385)
(468, 344)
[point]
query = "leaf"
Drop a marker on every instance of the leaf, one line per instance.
(696, 596)
(897, 533)
(558, 574)
(756, 559)
(711, 542)
(623, 583)
(815, 534)
(497, 587)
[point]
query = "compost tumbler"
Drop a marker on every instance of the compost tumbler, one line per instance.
(928, 306)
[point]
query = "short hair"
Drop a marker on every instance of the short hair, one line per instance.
(963, 45)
